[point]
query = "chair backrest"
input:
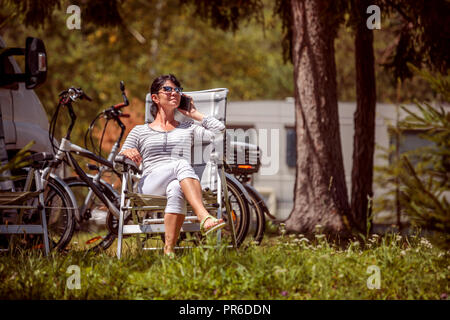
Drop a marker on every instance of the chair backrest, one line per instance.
(212, 102)
(209, 102)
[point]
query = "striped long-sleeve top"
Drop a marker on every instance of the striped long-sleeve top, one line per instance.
(160, 147)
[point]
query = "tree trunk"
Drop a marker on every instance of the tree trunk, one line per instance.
(320, 195)
(364, 120)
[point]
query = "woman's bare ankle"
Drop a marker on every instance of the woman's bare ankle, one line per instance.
(168, 249)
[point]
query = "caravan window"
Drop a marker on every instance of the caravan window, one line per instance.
(291, 147)
(409, 141)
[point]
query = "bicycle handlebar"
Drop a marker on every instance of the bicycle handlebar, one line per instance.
(124, 96)
(119, 106)
(111, 111)
(71, 95)
(85, 96)
(74, 94)
(78, 93)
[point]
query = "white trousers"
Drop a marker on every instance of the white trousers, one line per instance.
(164, 180)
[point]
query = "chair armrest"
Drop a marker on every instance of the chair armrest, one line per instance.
(123, 164)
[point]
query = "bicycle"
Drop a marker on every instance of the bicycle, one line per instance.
(103, 191)
(91, 231)
(258, 208)
(243, 171)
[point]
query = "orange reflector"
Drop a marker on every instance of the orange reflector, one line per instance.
(245, 166)
(93, 240)
(233, 215)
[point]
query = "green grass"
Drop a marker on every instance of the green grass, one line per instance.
(283, 267)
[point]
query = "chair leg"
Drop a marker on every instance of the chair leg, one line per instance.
(139, 242)
(44, 226)
(120, 236)
(42, 209)
(121, 216)
(219, 211)
(43, 217)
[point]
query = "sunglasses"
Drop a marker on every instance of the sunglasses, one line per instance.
(169, 89)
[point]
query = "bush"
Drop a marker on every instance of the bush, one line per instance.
(422, 175)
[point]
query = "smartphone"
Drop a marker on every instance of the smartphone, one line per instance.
(185, 103)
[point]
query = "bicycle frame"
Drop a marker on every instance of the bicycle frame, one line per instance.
(66, 149)
(107, 165)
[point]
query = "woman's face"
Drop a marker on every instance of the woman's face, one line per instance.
(167, 100)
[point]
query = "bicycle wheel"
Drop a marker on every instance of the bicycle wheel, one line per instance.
(58, 211)
(258, 220)
(92, 232)
(240, 213)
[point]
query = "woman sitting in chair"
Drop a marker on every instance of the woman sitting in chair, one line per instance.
(166, 168)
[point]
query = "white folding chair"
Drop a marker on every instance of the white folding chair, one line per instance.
(207, 162)
(31, 199)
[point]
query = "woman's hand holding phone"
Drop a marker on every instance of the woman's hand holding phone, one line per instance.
(193, 113)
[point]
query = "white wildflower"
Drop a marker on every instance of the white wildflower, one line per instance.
(424, 242)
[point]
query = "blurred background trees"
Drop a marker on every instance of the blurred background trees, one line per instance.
(156, 37)
(135, 41)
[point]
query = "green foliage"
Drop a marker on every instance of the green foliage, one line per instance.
(389, 89)
(228, 15)
(156, 37)
(38, 13)
(288, 267)
(18, 161)
(425, 187)
(172, 39)
(422, 36)
(421, 176)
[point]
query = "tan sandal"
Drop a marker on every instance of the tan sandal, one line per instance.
(213, 228)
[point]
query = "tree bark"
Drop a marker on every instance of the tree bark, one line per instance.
(320, 195)
(364, 120)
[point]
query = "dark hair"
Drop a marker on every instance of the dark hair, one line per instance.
(157, 85)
